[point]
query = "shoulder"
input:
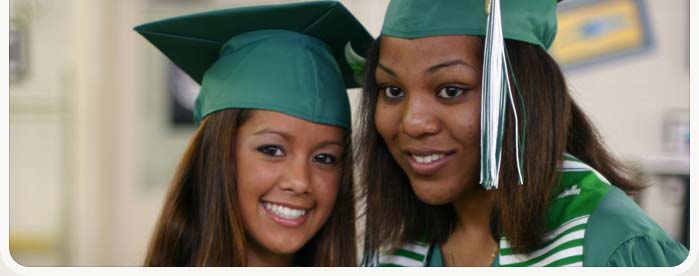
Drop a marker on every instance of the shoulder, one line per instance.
(580, 189)
(619, 233)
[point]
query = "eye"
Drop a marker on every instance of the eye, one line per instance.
(271, 150)
(325, 158)
(392, 92)
(450, 92)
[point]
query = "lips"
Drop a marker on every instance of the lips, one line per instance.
(427, 162)
(284, 214)
(426, 159)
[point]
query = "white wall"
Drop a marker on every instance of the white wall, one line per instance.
(38, 134)
(628, 98)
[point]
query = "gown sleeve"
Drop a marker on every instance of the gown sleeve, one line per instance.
(648, 251)
(619, 233)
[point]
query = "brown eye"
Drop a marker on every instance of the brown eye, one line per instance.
(325, 159)
(271, 150)
(392, 92)
(450, 92)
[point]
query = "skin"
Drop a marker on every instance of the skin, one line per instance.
(429, 103)
(291, 162)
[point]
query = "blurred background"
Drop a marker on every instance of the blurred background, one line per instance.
(99, 118)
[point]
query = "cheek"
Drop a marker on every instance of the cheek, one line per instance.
(465, 122)
(326, 187)
(464, 126)
(386, 119)
(254, 176)
(467, 129)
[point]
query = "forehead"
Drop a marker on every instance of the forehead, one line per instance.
(292, 126)
(426, 51)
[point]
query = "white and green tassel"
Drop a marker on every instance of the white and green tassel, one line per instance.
(496, 91)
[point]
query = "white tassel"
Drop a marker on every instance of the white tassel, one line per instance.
(496, 91)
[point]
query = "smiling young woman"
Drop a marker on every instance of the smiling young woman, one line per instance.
(259, 188)
(267, 177)
(425, 108)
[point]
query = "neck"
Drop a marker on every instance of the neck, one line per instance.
(471, 243)
(473, 211)
(258, 256)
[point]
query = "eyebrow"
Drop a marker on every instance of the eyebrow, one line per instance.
(284, 135)
(330, 142)
(288, 137)
(432, 69)
(387, 70)
(435, 68)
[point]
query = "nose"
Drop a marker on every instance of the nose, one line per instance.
(297, 177)
(420, 117)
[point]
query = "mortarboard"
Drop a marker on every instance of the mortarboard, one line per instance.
(289, 58)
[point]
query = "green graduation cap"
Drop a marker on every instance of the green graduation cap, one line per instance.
(290, 58)
(531, 21)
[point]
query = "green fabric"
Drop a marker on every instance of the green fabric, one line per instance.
(579, 192)
(408, 254)
(277, 70)
(620, 234)
(288, 58)
(434, 257)
(532, 21)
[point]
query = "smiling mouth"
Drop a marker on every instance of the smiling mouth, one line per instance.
(426, 159)
(428, 163)
(284, 212)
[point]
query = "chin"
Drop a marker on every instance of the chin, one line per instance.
(431, 194)
(285, 247)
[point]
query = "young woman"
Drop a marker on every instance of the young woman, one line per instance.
(266, 179)
(557, 198)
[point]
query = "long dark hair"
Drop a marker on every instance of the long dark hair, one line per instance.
(200, 222)
(554, 125)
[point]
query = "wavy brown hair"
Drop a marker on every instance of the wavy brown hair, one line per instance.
(554, 125)
(200, 224)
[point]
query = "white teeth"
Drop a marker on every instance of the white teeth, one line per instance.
(283, 211)
(424, 159)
